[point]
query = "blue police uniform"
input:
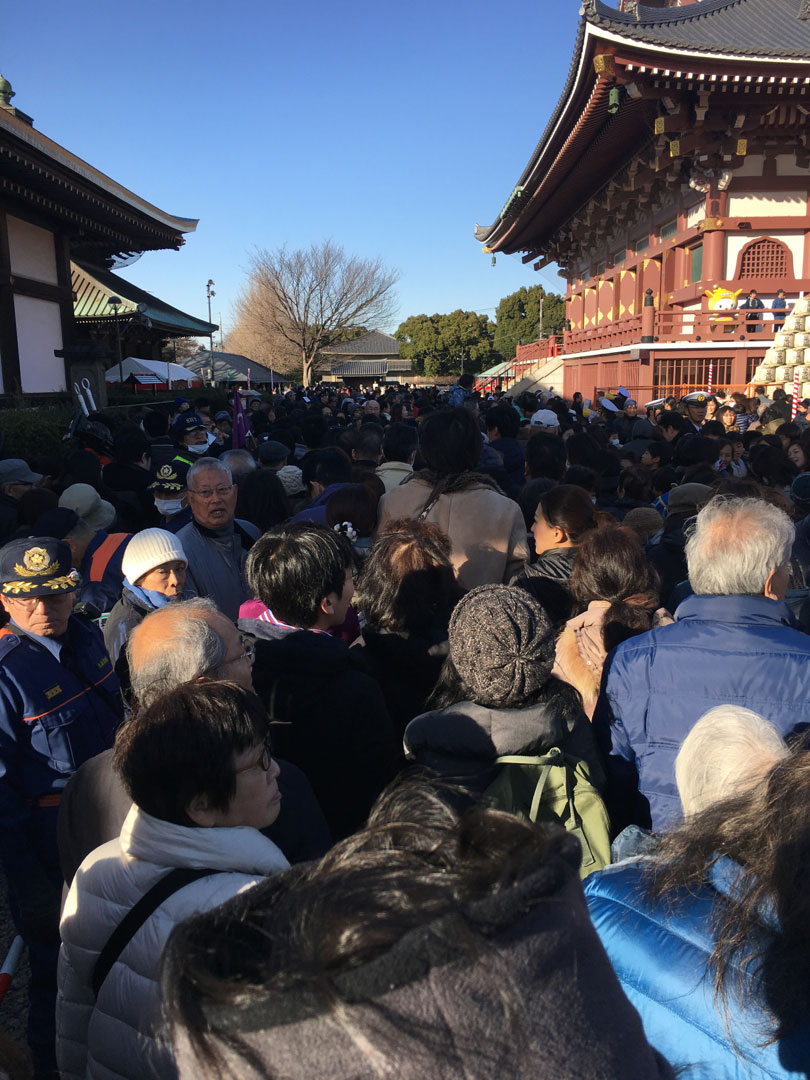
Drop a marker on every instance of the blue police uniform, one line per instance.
(60, 704)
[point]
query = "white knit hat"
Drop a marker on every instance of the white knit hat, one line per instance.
(149, 549)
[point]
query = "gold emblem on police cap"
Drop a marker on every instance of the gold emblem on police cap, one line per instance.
(166, 472)
(36, 561)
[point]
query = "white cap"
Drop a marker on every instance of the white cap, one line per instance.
(148, 550)
(545, 418)
(606, 403)
(86, 503)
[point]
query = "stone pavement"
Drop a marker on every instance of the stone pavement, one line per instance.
(14, 1008)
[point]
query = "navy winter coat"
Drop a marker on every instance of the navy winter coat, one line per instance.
(738, 650)
(660, 955)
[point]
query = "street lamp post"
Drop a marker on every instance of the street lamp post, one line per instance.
(209, 292)
(115, 303)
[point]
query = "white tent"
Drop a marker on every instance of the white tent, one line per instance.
(145, 371)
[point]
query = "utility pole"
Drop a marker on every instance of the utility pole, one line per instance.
(209, 292)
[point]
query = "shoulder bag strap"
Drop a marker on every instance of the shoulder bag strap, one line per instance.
(546, 763)
(137, 916)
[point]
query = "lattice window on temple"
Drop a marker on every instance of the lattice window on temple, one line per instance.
(765, 258)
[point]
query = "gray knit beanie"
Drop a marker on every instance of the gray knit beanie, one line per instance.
(502, 645)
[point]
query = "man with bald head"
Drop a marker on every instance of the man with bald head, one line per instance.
(182, 642)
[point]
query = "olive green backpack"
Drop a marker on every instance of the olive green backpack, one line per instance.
(558, 788)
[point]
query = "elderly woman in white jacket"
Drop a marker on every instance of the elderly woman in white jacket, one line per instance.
(198, 767)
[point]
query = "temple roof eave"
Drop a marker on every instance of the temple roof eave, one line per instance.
(40, 144)
(600, 24)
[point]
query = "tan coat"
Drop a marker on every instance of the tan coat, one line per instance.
(487, 531)
(581, 651)
(392, 473)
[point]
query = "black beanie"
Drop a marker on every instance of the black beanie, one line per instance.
(502, 645)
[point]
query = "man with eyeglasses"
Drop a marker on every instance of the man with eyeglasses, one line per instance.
(216, 542)
(186, 641)
(59, 705)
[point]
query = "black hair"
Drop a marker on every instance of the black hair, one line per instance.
(155, 423)
(582, 450)
(291, 569)
(505, 419)
(696, 450)
(713, 428)
(263, 499)
(663, 479)
(220, 719)
(581, 476)
(399, 442)
(529, 497)
(328, 466)
(130, 444)
(313, 429)
(771, 466)
(451, 442)
(367, 441)
(636, 483)
(355, 503)
(424, 858)
(407, 580)
(570, 509)
(611, 566)
(466, 380)
(545, 457)
(671, 419)
(662, 450)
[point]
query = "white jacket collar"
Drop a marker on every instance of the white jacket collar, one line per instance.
(241, 849)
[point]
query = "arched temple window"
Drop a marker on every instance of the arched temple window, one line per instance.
(765, 258)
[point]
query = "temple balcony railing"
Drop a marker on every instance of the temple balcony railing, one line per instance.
(677, 326)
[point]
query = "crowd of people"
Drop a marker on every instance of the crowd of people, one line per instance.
(411, 733)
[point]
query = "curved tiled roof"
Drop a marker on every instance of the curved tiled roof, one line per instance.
(749, 28)
(731, 27)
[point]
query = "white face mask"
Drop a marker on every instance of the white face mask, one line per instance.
(169, 507)
(197, 449)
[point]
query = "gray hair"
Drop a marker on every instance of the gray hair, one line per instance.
(203, 465)
(727, 752)
(195, 651)
(735, 544)
(240, 462)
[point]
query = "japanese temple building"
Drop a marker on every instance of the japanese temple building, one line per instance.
(671, 179)
(59, 219)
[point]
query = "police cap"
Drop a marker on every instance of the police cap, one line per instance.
(170, 477)
(36, 566)
(187, 422)
(697, 397)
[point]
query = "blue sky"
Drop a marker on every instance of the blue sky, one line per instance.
(390, 130)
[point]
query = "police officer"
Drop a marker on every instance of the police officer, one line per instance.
(695, 406)
(59, 705)
(191, 439)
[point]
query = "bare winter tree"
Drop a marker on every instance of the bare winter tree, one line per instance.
(252, 334)
(314, 297)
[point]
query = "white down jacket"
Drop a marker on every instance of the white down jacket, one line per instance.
(117, 1036)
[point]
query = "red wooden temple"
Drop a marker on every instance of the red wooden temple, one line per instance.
(670, 181)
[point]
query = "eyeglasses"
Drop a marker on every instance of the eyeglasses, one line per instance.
(249, 653)
(209, 493)
(29, 603)
(264, 761)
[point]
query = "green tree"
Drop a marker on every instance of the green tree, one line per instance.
(526, 315)
(447, 344)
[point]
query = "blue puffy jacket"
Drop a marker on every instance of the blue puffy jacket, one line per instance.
(740, 650)
(660, 955)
